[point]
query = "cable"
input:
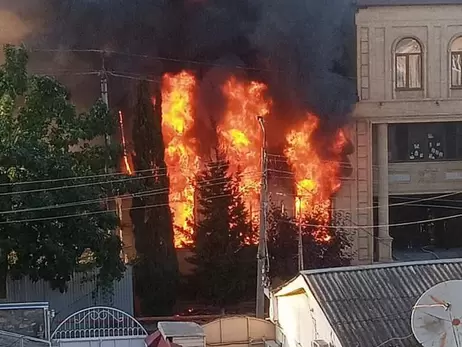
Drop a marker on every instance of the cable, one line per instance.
(224, 162)
(129, 178)
(101, 212)
(382, 225)
(395, 339)
(175, 60)
(218, 181)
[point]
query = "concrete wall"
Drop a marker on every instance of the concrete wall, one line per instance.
(299, 318)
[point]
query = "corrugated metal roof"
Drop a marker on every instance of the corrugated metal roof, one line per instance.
(369, 3)
(368, 305)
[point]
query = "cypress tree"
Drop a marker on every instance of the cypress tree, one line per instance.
(224, 262)
(156, 267)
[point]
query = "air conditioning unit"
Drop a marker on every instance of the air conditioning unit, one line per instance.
(320, 343)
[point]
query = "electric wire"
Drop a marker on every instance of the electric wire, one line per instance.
(159, 58)
(128, 178)
(85, 214)
(209, 183)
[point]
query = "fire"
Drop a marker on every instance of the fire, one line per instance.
(180, 153)
(316, 180)
(126, 160)
(240, 137)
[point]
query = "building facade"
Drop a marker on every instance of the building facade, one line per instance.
(407, 128)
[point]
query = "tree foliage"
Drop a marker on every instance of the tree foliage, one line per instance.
(283, 237)
(156, 268)
(51, 211)
(224, 262)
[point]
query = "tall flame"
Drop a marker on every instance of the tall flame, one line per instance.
(126, 159)
(316, 180)
(180, 153)
(239, 135)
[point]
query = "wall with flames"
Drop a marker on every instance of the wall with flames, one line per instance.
(314, 178)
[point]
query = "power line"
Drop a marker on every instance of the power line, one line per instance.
(151, 57)
(85, 214)
(380, 225)
(153, 171)
(217, 181)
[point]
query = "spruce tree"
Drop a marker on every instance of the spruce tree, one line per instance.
(156, 267)
(283, 235)
(224, 262)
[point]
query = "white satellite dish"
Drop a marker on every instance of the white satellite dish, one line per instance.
(436, 318)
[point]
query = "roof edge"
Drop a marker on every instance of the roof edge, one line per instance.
(380, 266)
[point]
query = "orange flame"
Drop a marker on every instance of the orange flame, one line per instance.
(180, 153)
(240, 138)
(126, 159)
(316, 180)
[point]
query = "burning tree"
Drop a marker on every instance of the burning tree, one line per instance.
(283, 237)
(224, 263)
(156, 268)
(53, 190)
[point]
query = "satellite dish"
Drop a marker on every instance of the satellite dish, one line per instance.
(436, 318)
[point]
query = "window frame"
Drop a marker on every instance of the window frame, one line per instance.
(407, 58)
(452, 54)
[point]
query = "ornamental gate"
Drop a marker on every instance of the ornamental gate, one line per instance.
(99, 327)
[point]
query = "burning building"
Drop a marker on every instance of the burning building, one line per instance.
(304, 165)
(220, 65)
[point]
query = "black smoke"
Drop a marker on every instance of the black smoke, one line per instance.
(303, 49)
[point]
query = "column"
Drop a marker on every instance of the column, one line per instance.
(384, 241)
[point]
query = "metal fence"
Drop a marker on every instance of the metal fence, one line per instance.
(82, 293)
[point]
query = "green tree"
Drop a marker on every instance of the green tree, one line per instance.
(156, 268)
(52, 184)
(224, 263)
(283, 236)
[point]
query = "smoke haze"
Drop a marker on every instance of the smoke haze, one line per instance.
(304, 50)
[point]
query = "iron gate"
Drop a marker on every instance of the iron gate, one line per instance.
(99, 327)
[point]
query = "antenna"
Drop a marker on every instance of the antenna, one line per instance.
(436, 318)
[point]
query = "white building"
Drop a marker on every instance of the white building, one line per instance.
(355, 306)
(407, 128)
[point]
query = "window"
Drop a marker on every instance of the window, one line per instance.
(456, 63)
(408, 64)
(425, 141)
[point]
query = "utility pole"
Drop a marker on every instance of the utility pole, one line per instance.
(300, 237)
(105, 98)
(261, 256)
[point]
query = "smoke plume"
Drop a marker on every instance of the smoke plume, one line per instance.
(304, 50)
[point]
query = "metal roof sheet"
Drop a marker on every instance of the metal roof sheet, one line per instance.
(368, 305)
(370, 3)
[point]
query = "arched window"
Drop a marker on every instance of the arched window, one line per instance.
(456, 63)
(408, 64)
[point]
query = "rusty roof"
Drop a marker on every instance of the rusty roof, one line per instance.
(368, 305)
